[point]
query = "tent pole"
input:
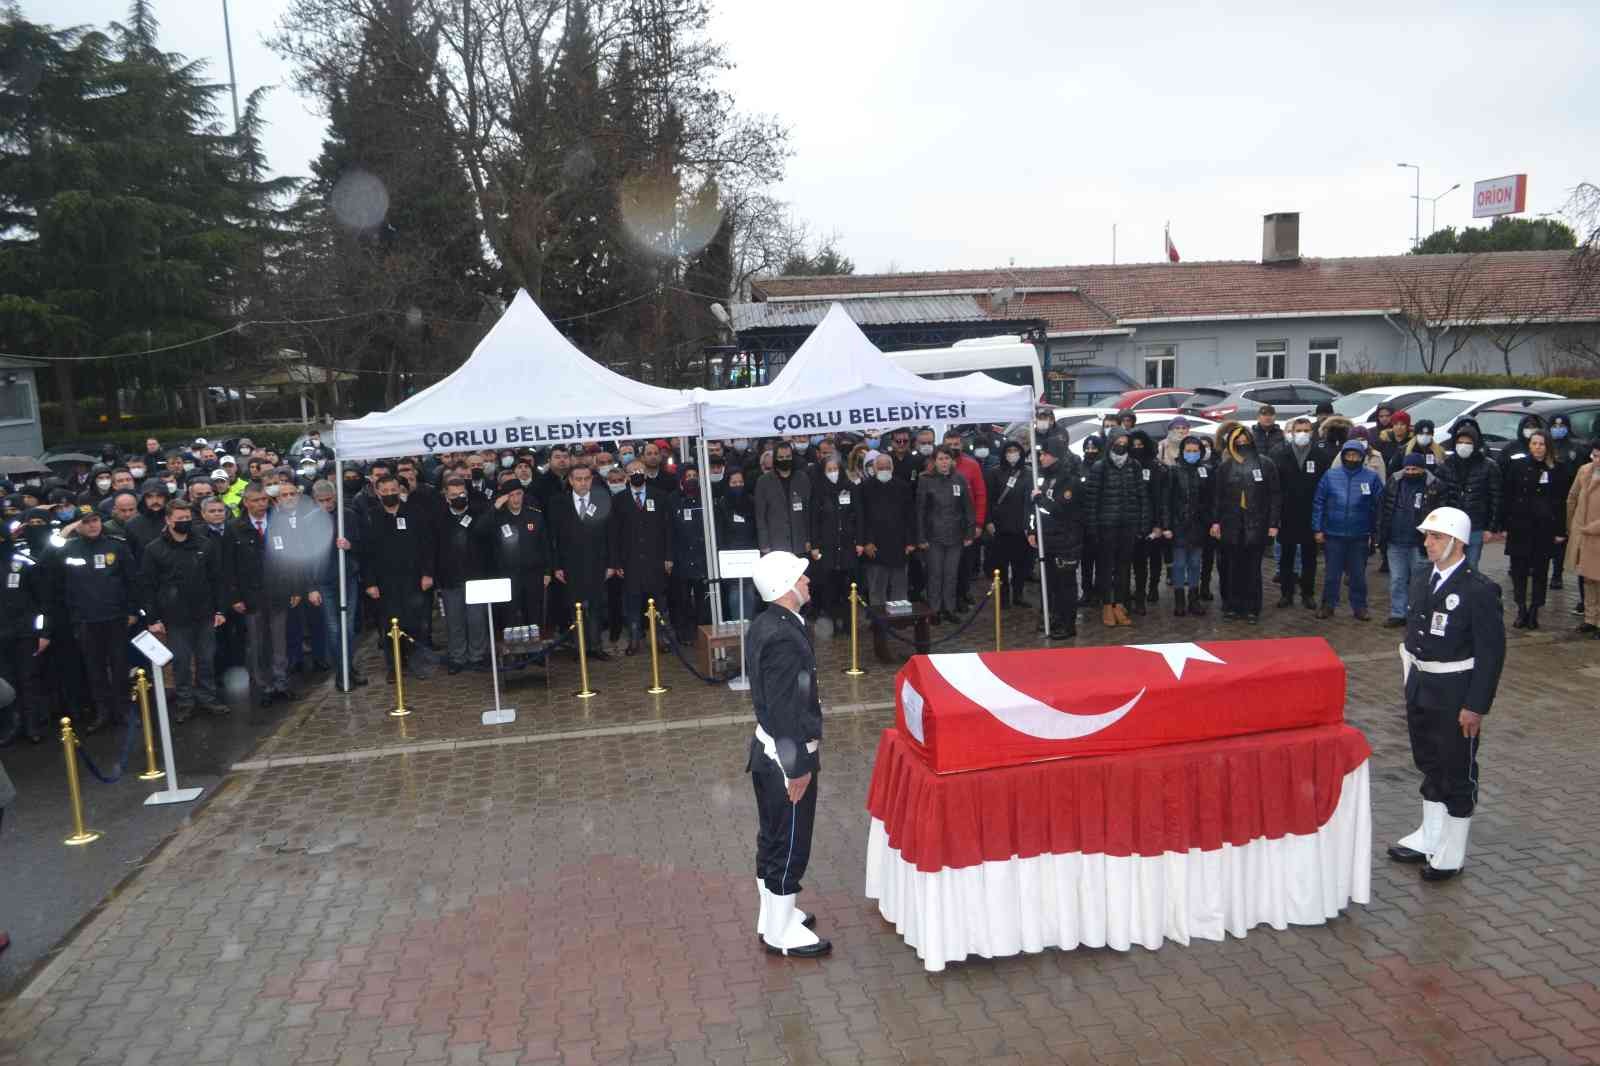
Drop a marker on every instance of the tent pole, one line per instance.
(1038, 525)
(344, 617)
(708, 516)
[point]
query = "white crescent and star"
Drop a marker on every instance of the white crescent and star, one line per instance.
(969, 675)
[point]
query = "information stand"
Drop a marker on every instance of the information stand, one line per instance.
(489, 592)
(739, 564)
(159, 656)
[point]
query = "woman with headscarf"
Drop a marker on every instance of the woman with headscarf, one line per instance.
(1534, 494)
(1245, 519)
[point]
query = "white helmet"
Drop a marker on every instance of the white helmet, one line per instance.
(776, 573)
(1450, 521)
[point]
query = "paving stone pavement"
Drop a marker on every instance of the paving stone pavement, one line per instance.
(577, 888)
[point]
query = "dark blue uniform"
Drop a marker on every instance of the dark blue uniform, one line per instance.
(783, 686)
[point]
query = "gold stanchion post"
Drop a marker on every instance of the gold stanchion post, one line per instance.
(395, 633)
(141, 692)
(69, 744)
(996, 596)
(855, 661)
(656, 687)
(584, 692)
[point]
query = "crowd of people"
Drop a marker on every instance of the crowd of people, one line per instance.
(232, 559)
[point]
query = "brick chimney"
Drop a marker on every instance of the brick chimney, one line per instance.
(1280, 237)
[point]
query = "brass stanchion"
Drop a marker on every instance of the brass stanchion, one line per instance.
(855, 661)
(69, 744)
(141, 692)
(584, 692)
(995, 594)
(656, 687)
(395, 633)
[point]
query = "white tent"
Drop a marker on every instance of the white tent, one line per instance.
(839, 380)
(525, 385)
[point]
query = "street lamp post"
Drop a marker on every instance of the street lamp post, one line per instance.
(1416, 238)
(1434, 200)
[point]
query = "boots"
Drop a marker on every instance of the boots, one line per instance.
(1450, 853)
(1205, 592)
(1108, 616)
(783, 933)
(807, 920)
(1533, 618)
(1196, 609)
(1424, 841)
(1178, 608)
(1522, 618)
(1120, 613)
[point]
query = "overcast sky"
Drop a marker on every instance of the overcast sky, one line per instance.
(940, 134)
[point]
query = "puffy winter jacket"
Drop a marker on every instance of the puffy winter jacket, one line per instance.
(1415, 498)
(945, 514)
(1187, 501)
(1118, 502)
(1347, 501)
(1476, 483)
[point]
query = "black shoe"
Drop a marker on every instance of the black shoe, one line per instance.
(1178, 608)
(1393, 623)
(1555, 581)
(1063, 632)
(1286, 600)
(287, 695)
(1577, 609)
(600, 655)
(1155, 593)
(320, 665)
(215, 708)
(454, 668)
(1308, 603)
(1533, 618)
(265, 700)
(1362, 615)
(632, 648)
(1588, 627)
(1195, 608)
(1401, 853)
(358, 679)
(813, 951)
(1205, 594)
(1521, 621)
(182, 713)
(1430, 874)
(1138, 607)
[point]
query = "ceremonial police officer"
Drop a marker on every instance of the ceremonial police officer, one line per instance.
(1454, 650)
(783, 760)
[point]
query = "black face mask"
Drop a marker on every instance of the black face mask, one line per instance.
(182, 525)
(458, 503)
(691, 485)
(37, 537)
(1245, 449)
(1352, 463)
(783, 464)
(736, 491)
(390, 499)
(636, 480)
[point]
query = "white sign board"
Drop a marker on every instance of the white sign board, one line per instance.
(741, 562)
(153, 649)
(1500, 196)
(489, 590)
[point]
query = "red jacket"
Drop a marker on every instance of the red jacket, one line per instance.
(968, 468)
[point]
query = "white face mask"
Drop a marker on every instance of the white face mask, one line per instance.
(1464, 450)
(507, 460)
(740, 444)
(102, 483)
(136, 471)
(1118, 458)
(716, 477)
(981, 453)
(1302, 438)
(616, 487)
(272, 490)
(924, 449)
(604, 469)
(1042, 425)
(1527, 431)
(883, 475)
(832, 476)
(245, 450)
(1424, 439)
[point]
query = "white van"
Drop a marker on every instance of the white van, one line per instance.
(1002, 358)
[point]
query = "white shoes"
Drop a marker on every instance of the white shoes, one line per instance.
(783, 931)
(761, 912)
(1426, 837)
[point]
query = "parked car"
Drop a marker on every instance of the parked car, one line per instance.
(1153, 423)
(1447, 408)
(1499, 421)
(1288, 396)
(1360, 407)
(1152, 399)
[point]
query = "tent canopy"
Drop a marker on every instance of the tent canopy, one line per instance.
(525, 385)
(839, 380)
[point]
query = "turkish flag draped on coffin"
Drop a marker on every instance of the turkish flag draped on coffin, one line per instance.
(979, 710)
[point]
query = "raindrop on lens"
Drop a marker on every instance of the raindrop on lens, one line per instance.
(359, 200)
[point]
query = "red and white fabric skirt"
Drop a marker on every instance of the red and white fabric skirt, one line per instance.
(1172, 843)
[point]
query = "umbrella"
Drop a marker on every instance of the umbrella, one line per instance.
(18, 465)
(56, 460)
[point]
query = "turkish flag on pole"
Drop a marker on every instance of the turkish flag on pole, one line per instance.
(1172, 249)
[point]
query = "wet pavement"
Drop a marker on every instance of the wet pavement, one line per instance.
(576, 887)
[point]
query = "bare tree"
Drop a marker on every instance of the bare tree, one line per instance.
(1440, 310)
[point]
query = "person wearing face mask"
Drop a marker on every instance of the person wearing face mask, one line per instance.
(1169, 450)
(1247, 506)
(977, 486)
(644, 552)
(783, 521)
(736, 530)
(152, 517)
(1300, 468)
(1045, 427)
(180, 589)
(1010, 487)
(1583, 540)
(1056, 512)
(461, 559)
(26, 618)
(1474, 481)
(835, 540)
(1517, 446)
(1424, 442)
(1344, 517)
(397, 564)
(887, 534)
(1535, 517)
(1094, 449)
(687, 588)
(1117, 500)
(1147, 553)
(97, 487)
(97, 574)
(1188, 504)
(946, 522)
(514, 539)
(1412, 493)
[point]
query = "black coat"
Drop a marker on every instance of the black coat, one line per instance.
(180, 582)
(1416, 498)
(1010, 497)
(400, 548)
(1118, 499)
(688, 530)
(1246, 506)
(97, 579)
(1062, 511)
(1188, 503)
(585, 546)
(644, 543)
(1474, 629)
(25, 597)
(783, 687)
(461, 554)
(736, 521)
(517, 545)
(1475, 482)
(886, 518)
(1297, 481)
(836, 522)
(1535, 497)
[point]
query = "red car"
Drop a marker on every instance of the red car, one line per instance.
(1150, 401)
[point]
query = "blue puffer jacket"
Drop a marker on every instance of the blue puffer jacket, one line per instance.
(1347, 503)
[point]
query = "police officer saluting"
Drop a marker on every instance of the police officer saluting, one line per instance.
(1455, 648)
(783, 760)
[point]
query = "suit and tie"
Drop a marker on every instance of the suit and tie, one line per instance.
(585, 548)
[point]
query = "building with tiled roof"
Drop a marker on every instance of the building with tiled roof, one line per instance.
(1103, 328)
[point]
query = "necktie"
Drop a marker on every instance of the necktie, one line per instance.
(583, 504)
(1434, 586)
(640, 497)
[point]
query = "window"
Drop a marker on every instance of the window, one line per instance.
(1585, 424)
(1310, 396)
(16, 401)
(1160, 366)
(1323, 358)
(1280, 396)
(1272, 359)
(1168, 401)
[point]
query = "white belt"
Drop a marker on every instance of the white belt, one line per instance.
(770, 747)
(1409, 662)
